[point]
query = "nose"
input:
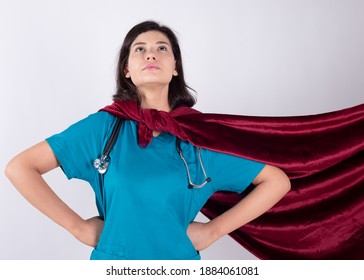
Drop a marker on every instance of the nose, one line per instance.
(150, 56)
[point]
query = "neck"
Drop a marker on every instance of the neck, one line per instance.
(155, 99)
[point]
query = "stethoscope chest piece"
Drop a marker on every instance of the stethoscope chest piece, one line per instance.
(101, 164)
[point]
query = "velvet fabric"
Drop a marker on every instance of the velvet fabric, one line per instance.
(322, 217)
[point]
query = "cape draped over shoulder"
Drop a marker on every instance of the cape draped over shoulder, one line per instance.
(322, 217)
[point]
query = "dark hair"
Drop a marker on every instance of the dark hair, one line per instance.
(178, 94)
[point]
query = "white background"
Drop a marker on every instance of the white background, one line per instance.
(258, 57)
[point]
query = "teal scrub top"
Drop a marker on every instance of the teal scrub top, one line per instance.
(144, 197)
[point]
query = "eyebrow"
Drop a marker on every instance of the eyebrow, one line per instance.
(143, 43)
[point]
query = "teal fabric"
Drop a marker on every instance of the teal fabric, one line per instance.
(143, 197)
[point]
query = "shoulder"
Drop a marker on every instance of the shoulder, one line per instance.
(79, 144)
(95, 122)
(93, 127)
(100, 118)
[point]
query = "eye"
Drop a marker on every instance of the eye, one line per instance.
(139, 49)
(163, 48)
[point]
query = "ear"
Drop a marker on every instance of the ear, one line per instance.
(175, 73)
(126, 72)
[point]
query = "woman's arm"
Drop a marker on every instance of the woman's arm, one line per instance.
(271, 185)
(25, 172)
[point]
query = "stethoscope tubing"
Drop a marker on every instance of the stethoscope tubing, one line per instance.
(102, 163)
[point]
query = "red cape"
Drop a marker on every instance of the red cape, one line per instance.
(322, 217)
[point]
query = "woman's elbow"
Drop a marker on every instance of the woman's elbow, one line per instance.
(17, 167)
(285, 183)
(274, 177)
(38, 159)
(12, 168)
(281, 179)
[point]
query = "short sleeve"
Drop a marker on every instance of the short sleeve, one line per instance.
(80, 144)
(231, 173)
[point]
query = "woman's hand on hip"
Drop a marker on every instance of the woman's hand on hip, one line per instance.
(89, 231)
(201, 235)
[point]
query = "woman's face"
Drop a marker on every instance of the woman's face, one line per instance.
(151, 61)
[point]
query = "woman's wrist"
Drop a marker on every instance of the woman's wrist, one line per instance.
(88, 231)
(216, 232)
(75, 225)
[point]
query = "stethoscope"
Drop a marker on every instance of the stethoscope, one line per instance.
(190, 184)
(101, 164)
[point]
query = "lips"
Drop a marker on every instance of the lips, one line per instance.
(151, 67)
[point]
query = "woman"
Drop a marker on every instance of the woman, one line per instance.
(146, 209)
